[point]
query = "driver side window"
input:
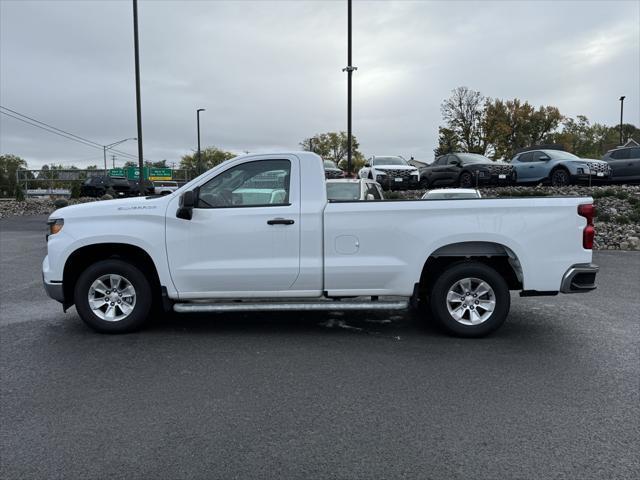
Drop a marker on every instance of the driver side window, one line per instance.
(262, 183)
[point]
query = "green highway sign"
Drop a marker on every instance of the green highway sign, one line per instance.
(133, 173)
(160, 174)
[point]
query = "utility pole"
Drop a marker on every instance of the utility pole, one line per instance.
(349, 69)
(621, 110)
(108, 147)
(199, 162)
(113, 161)
(136, 50)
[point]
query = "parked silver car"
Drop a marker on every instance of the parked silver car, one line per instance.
(558, 168)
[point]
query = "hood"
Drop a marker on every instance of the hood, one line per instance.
(482, 164)
(382, 168)
(113, 207)
(591, 160)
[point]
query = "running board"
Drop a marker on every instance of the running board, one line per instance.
(279, 307)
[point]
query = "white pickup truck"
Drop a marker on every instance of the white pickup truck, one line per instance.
(257, 233)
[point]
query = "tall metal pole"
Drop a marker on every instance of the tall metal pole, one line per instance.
(621, 110)
(199, 163)
(104, 154)
(138, 105)
(349, 69)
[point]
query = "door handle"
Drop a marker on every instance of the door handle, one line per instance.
(280, 221)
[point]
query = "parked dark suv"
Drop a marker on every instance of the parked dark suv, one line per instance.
(466, 170)
(149, 188)
(101, 185)
(624, 163)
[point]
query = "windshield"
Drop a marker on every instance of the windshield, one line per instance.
(330, 164)
(343, 191)
(450, 195)
(467, 158)
(561, 155)
(120, 181)
(389, 161)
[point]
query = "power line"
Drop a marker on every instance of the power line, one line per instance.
(88, 144)
(50, 126)
(62, 133)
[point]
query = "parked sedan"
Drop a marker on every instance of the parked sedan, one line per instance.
(624, 163)
(101, 185)
(466, 170)
(331, 170)
(354, 189)
(558, 168)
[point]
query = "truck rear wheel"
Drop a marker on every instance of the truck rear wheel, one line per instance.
(113, 296)
(470, 299)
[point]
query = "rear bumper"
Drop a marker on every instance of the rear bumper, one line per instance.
(579, 278)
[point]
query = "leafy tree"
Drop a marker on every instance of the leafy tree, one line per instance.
(463, 113)
(209, 158)
(447, 142)
(75, 190)
(334, 146)
(9, 165)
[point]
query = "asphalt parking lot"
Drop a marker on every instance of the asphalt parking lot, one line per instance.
(554, 394)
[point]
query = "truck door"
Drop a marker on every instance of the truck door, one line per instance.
(244, 235)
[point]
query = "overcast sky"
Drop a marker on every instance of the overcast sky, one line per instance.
(269, 72)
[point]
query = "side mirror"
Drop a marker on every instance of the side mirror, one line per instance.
(367, 164)
(370, 196)
(185, 207)
(545, 159)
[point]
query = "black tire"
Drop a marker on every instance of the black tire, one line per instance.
(560, 177)
(424, 182)
(466, 180)
(143, 296)
(475, 270)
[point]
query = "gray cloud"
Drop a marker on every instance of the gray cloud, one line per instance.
(269, 73)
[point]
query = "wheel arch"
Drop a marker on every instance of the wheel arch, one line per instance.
(84, 256)
(493, 254)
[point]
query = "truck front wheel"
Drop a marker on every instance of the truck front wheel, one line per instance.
(470, 299)
(113, 296)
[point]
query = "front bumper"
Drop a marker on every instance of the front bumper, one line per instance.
(390, 183)
(579, 278)
(54, 290)
(585, 177)
(495, 179)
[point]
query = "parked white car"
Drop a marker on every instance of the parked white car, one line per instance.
(164, 187)
(390, 172)
(354, 189)
(260, 227)
(451, 194)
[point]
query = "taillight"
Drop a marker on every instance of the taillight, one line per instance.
(588, 211)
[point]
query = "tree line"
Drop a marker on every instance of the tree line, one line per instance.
(499, 128)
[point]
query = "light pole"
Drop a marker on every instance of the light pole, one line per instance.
(111, 145)
(199, 162)
(136, 53)
(621, 109)
(349, 69)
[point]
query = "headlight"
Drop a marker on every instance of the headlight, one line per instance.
(379, 173)
(414, 172)
(481, 173)
(54, 225)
